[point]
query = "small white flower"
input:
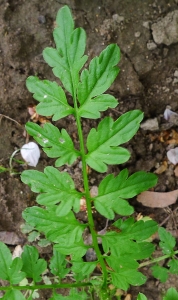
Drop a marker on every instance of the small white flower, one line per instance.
(173, 156)
(30, 153)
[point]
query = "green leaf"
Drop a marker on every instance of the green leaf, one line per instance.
(13, 295)
(32, 265)
(84, 268)
(171, 294)
(33, 236)
(124, 278)
(160, 273)
(102, 143)
(167, 241)
(55, 187)
(10, 269)
(77, 249)
(58, 264)
(51, 97)
(112, 190)
(54, 143)
(67, 60)
(62, 230)
(92, 108)
(139, 230)
(173, 264)
(95, 81)
(141, 297)
(73, 295)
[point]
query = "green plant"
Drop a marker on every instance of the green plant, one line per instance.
(128, 241)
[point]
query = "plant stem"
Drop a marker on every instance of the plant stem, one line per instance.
(155, 260)
(88, 197)
(44, 286)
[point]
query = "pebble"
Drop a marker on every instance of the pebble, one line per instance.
(147, 24)
(151, 45)
(137, 34)
(150, 124)
(176, 73)
(176, 91)
(165, 31)
(41, 19)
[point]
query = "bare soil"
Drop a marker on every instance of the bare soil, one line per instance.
(146, 81)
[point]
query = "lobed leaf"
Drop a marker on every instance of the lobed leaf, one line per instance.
(68, 58)
(124, 278)
(77, 249)
(55, 187)
(82, 268)
(32, 265)
(51, 97)
(65, 229)
(10, 269)
(167, 241)
(58, 264)
(160, 273)
(55, 143)
(102, 144)
(95, 81)
(173, 265)
(112, 191)
(13, 295)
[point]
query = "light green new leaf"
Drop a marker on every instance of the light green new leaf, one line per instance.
(102, 143)
(52, 97)
(160, 273)
(141, 297)
(57, 229)
(112, 191)
(55, 187)
(95, 81)
(55, 143)
(171, 294)
(10, 269)
(58, 264)
(13, 295)
(173, 264)
(167, 241)
(67, 60)
(32, 265)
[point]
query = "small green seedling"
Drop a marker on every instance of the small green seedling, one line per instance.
(117, 254)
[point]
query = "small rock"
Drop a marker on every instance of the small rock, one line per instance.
(175, 80)
(42, 19)
(176, 73)
(176, 91)
(165, 31)
(118, 18)
(168, 80)
(137, 34)
(150, 124)
(147, 24)
(151, 45)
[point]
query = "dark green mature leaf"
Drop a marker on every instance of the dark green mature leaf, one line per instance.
(112, 191)
(173, 264)
(13, 295)
(171, 294)
(58, 264)
(95, 81)
(52, 97)
(32, 265)
(67, 60)
(160, 273)
(102, 143)
(55, 187)
(167, 241)
(58, 230)
(55, 143)
(10, 269)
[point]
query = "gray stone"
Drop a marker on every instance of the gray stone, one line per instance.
(176, 73)
(137, 34)
(151, 45)
(165, 31)
(150, 124)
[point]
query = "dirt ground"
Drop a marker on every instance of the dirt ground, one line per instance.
(148, 80)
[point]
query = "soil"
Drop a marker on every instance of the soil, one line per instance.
(148, 80)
